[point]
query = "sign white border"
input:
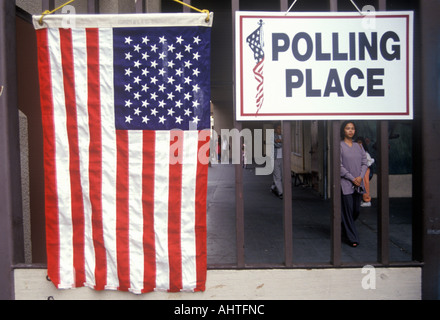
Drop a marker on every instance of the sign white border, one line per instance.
(243, 55)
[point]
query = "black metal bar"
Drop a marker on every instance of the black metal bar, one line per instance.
(239, 201)
(287, 194)
(308, 265)
(325, 159)
(417, 137)
(140, 6)
(48, 5)
(93, 6)
(11, 219)
(318, 265)
(335, 178)
(383, 216)
(430, 153)
(287, 182)
(383, 194)
(335, 151)
(333, 5)
(185, 8)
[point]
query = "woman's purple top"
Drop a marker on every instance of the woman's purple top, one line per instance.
(353, 164)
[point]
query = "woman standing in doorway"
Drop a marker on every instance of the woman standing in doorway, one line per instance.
(353, 168)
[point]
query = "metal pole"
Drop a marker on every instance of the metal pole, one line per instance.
(239, 201)
(185, 8)
(287, 194)
(430, 153)
(335, 182)
(383, 218)
(335, 179)
(383, 194)
(48, 5)
(287, 182)
(325, 160)
(93, 6)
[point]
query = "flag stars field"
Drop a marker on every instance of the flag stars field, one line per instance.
(169, 69)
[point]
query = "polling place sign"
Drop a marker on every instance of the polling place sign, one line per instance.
(333, 65)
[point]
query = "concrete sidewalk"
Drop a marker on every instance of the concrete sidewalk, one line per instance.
(264, 238)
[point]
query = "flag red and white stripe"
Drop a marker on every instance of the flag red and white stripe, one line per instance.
(125, 209)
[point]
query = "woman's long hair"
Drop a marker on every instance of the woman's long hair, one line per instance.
(343, 126)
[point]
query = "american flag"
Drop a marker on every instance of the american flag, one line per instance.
(125, 153)
(255, 41)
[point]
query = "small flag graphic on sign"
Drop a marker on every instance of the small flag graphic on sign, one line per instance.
(255, 41)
